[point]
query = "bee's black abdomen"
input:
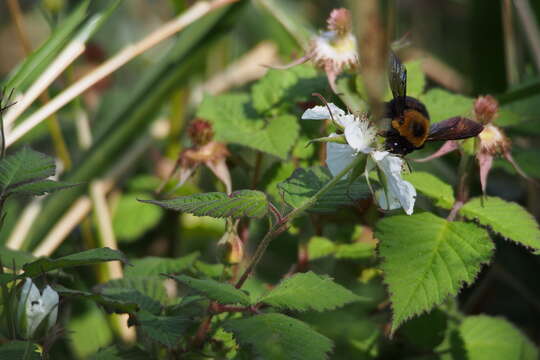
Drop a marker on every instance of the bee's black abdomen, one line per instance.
(397, 144)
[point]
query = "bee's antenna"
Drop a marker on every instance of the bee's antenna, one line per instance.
(323, 100)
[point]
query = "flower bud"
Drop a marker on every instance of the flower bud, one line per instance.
(230, 248)
(37, 312)
(340, 21)
(200, 132)
(486, 108)
(54, 6)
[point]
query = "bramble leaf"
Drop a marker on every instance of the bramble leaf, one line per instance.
(309, 291)
(167, 330)
(432, 187)
(223, 293)
(110, 304)
(303, 184)
(427, 259)
(234, 121)
(152, 265)
(24, 167)
(250, 203)
(442, 104)
(147, 292)
(132, 219)
(494, 338)
(506, 218)
(277, 337)
(87, 257)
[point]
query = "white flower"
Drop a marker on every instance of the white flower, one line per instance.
(360, 136)
(358, 132)
(36, 308)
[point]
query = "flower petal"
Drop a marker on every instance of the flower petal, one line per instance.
(338, 156)
(359, 135)
(321, 112)
(398, 188)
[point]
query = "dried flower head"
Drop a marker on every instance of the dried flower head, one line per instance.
(493, 140)
(486, 109)
(200, 132)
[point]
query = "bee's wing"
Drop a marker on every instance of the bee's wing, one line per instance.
(454, 128)
(397, 76)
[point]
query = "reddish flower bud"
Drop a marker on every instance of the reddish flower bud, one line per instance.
(200, 132)
(486, 108)
(340, 21)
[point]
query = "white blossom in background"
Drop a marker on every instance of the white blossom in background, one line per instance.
(36, 310)
(358, 137)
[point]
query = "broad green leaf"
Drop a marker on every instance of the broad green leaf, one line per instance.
(152, 265)
(432, 187)
(426, 331)
(147, 292)
(223, 293)
(88, 331)
(416, 79)
(34, 65)
(506, 118)
(277, 173)
(303, 184)
(113, 353)
(16, 349)
(110, 304)
(23, 167)
(235, 122)
(87, 257)
(442, 104)
(506, 218)
(250, 203)
(494, 338)
(309, 291)
(167, 330)
(132, 219)
(272, 89)
(427, 259)
(214, 271)
(277, 337)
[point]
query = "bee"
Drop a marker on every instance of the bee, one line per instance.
(409, 126)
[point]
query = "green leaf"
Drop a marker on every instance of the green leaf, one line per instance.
(42, 187)
(223, 293)
(132, 219)
(506, 218)
(110, 304)
(87, 257)
(432, 187)
(416, 80)
(303, 184)
(309, 291)
(427, 259)
(276, 337)
(235, 122)
(152, 265)
(250, 203)
(18, 349)
(442, 104)
(167, 330)
(493, 338)
(23, 167)
(272, 89)
(147, 292)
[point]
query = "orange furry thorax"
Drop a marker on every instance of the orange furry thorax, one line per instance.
(413, 126)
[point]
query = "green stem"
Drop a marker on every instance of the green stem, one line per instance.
(280, 226)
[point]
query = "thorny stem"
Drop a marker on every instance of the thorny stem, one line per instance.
(281, 225)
